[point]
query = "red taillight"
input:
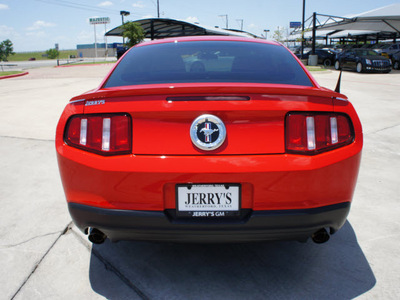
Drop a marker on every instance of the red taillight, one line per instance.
(105, 134)
(312, 133)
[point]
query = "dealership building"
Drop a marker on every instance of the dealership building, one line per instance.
(90, 50)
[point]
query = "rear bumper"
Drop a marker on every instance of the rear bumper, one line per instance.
(297, 224)
(268, 182)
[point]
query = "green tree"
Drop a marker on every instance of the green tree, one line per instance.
(52, 53)
(279, 35)
(133, 32)
(6, 49)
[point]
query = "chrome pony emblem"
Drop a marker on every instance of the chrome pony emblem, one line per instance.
(207, 132)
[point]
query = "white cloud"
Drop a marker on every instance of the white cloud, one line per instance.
(138, 4)
(3, 6)
(7, 32)
(105, 4)
(192, 20)
(39, 25)
(253, 28)
(148, 17)
(85, 36)
(36, 34)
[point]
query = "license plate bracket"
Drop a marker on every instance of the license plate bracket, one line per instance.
(208, 200)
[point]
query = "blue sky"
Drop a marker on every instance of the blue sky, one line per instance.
(39, 24)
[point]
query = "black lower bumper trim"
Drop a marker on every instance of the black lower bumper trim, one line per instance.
(252, 226)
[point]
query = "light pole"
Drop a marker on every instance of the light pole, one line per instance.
(302, 29)
(241, 23)
(266, 33)
(95, 40)
(123, 14)
(105, 40)
(226, 18)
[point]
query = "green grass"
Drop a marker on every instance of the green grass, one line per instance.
(316, 69)
(38, 55)
(6, 73)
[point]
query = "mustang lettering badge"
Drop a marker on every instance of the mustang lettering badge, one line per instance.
(207, 132)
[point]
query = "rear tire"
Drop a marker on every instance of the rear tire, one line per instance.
(337, 65)
(327, 62)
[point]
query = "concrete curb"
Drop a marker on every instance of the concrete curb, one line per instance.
(14, 75)
(81, 65)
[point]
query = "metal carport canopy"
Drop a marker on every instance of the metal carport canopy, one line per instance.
(384, 19)
(157, 28)
(333, 34)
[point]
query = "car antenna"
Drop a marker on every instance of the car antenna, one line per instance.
(337, 88)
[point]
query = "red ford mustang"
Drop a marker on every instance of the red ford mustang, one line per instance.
(209, 139)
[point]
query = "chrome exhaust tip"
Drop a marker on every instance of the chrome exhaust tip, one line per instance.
(96, 236)
(321, 236)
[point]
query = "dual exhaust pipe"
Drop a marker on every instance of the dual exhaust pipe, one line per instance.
(321, 236)
(97, 237)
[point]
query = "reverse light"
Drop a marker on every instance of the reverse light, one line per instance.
(104, 134)
(313, 133)
(310, 126)
(83, 133)
(105, 142)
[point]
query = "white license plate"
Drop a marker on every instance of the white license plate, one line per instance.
(208, 200)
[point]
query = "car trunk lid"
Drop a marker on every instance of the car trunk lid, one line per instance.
(254, 117)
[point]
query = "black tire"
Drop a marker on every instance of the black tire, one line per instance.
(327, 62)
(359, 67)
(337, 65)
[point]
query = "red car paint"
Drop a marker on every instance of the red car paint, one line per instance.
(253, 154)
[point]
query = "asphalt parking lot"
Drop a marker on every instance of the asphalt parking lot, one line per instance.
(43, 256)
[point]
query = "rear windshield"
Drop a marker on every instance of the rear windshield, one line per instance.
(208, 61)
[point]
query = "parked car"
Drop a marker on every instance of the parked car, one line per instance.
(396, 60)
(121, 51)
(297, 49)
(362, 60)
(366, 46)
(325, 57)
(388, 49)
(209, 139)
(294, 49)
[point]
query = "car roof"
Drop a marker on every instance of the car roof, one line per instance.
(360, 49)
(208, 38)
